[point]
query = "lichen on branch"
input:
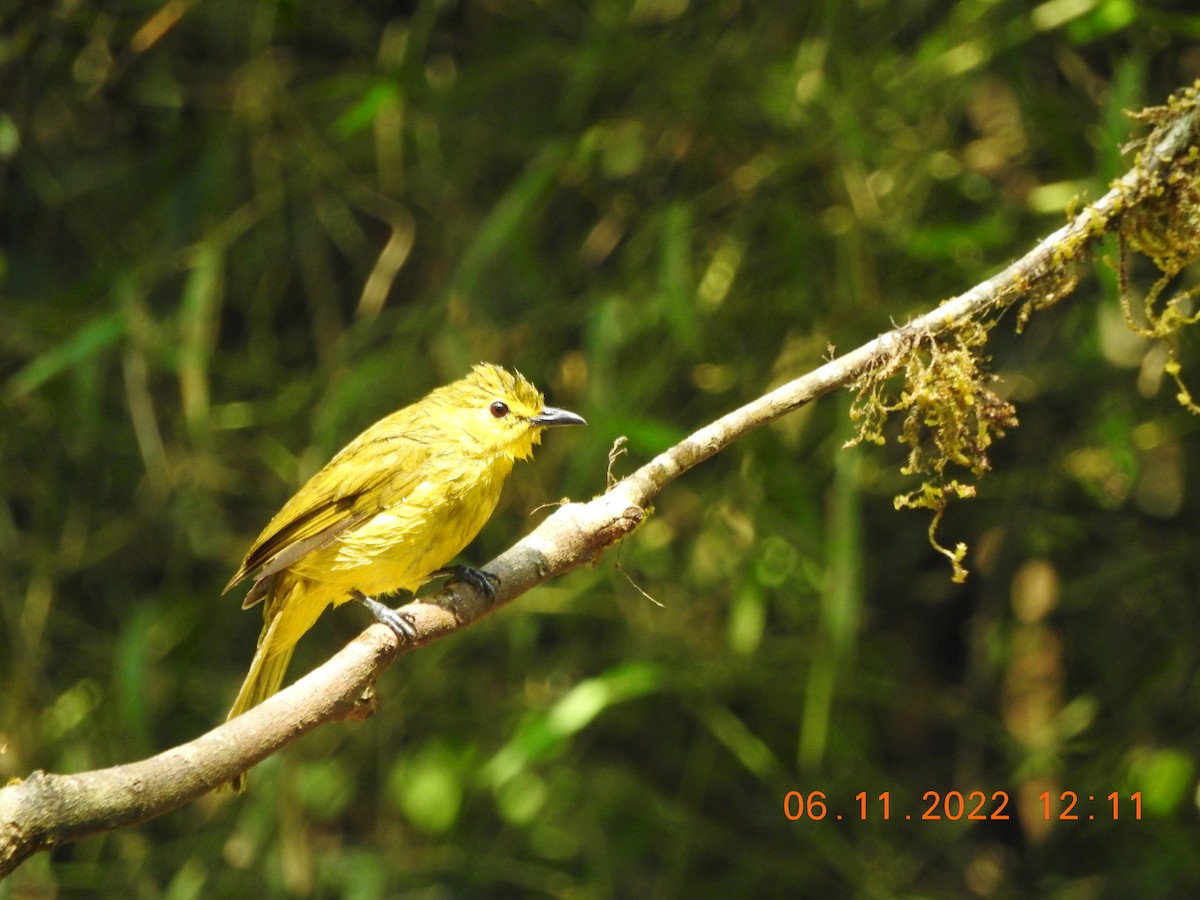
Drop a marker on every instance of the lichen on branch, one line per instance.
(950, 416)
(1164, 227)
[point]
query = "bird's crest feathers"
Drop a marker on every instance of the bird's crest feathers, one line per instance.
(488, 412)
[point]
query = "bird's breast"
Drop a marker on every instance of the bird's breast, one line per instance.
(400, 546)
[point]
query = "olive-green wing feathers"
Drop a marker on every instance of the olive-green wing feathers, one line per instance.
(343, 495)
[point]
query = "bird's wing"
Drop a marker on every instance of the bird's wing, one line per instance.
(286, 546)
(352, 488)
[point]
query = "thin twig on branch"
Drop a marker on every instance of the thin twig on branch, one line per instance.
(46, 810)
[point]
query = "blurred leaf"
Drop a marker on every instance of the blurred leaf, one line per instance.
(1166, 778)
(508, 215)
(198, 315)
(646, 436)
(545, 734)
(362, 114)
(428, 787)
(521, 798)
(324, 789)
(747, 747)
(747, 618)
(90, 340)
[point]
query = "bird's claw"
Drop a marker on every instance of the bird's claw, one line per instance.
(484, 582)
(400, 623)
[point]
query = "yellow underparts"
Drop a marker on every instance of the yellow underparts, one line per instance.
(395, 550)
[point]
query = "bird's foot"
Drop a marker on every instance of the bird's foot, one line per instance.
(484, 582)
(400, 623)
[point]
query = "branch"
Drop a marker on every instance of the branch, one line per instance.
(46, 810)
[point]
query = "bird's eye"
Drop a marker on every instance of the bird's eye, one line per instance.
(499, 409)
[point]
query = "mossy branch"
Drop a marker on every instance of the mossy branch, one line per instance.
(46, 810)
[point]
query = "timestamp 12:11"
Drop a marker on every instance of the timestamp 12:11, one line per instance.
(1074, 807)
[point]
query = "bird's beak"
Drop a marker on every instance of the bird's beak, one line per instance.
(552, 416)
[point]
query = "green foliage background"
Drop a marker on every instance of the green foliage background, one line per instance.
(235, 234)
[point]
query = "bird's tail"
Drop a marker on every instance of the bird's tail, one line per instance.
(288, 616)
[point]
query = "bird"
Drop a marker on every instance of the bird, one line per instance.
(388, 512)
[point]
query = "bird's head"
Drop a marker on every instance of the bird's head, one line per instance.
(498, 413)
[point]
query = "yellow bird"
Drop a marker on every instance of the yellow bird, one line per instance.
(388, 512)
